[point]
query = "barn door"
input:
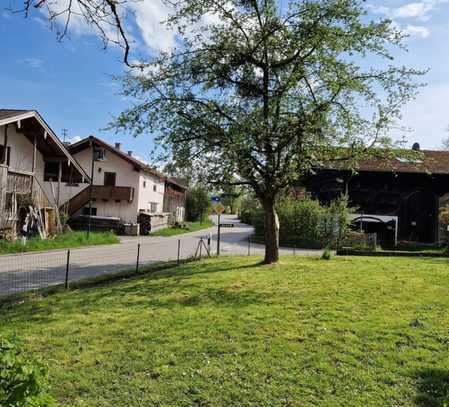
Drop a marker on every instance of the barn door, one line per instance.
(421, 217)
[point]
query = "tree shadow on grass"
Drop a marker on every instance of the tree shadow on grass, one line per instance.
(209, 296)
(432, 387)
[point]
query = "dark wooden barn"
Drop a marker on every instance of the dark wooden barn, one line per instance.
(409, 190)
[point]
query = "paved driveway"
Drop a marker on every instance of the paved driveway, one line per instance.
(34, 270)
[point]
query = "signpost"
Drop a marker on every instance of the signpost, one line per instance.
(218, 208)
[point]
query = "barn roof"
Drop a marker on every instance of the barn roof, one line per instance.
(427, 162)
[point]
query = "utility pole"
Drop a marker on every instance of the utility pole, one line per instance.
(92, 145)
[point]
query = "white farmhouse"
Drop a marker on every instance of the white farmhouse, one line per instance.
(123, 188)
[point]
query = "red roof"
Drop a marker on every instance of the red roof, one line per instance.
(85, 143)
(428, 162)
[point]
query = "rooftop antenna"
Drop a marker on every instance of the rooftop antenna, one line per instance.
(64, 133)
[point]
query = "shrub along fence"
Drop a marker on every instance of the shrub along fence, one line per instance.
(304, 223)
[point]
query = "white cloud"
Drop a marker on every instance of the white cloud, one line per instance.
(150, 15)
(416, 10)
(74, 140)
(416, 31)
(35, 63)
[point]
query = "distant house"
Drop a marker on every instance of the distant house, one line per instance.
(395, 198)
(124, 188)
(175, 199)
(34, 166)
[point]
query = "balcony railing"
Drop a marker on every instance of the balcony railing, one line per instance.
(99, 192)
(113, 193)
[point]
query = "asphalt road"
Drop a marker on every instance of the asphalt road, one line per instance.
(29, 271)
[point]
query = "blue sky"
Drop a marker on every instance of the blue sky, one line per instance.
(70, 82)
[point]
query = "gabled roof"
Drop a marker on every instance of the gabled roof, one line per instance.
(428, 162)
(138, 165)
(178, 182)
(31, 124)
(11, 113)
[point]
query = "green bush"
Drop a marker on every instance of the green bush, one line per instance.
(304, 223)
(197, 204)
(249, 203)
(247, 215)
(21, 381)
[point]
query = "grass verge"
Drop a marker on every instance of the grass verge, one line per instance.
(64, 241)
(190, 227)
(229, 331)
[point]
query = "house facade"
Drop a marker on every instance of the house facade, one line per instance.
(123, 187)
(398, 199)
(28, 148)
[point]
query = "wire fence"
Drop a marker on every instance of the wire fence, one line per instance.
(31, 271)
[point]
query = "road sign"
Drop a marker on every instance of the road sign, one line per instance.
(219, 208)
(226, 225)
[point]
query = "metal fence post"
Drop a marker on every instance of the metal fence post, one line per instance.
(179, 251)
(138, 258)
(249, 245)
(218, 238)
(66, 285)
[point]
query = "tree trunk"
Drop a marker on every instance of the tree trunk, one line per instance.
(271, 231)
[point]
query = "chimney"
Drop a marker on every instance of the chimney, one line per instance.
(130, 153)
(416, 147)
(118, 146)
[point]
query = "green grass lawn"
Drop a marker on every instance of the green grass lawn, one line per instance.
(190, 227)
(351, 331)
(66, 240)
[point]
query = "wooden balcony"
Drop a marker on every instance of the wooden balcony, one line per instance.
(100, 192)
(113, 193)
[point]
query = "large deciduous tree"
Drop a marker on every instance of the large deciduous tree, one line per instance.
(265, 94)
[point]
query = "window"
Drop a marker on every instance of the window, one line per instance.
(154, 188)
(153, 206)
(110, 178)
(51, 171)
(144, 184)
(2, 154)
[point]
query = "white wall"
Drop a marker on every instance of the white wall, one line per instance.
(147, 193)
(126, 176)
(22, 153)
